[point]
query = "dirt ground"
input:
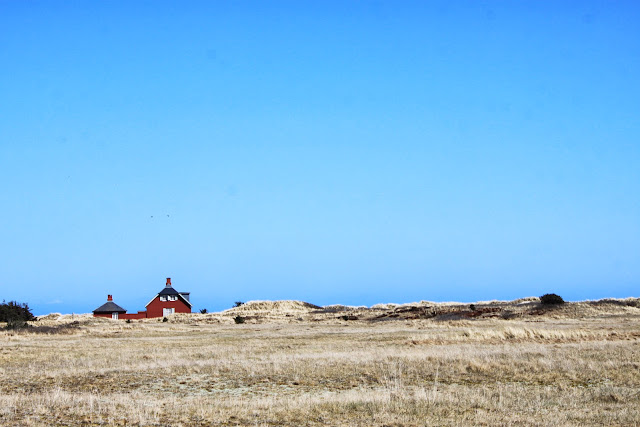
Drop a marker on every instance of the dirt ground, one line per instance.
(292, 363)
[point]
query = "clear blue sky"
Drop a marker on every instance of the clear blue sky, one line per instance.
(331, 151)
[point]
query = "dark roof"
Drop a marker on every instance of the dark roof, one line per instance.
(109, 307)
(168, 290)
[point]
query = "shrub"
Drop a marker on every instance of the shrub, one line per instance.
(238, 303)
(15, 311)
(128, 320)
(551, 299)
(65, 328)
(472, 307)
(203, 311)
(164, 319)
(22, 326)
(507, 314)
(238, 319)
(14, 324)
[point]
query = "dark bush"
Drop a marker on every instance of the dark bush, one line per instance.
(507, 314)
(22, 326)
(551, 299)
(14, 324)
(472, 307)
(128, 320)
(164, 319)
(238, 319)
(66, 328)
(629, 302)
(203, 311)
(15, 311)
(238, 303)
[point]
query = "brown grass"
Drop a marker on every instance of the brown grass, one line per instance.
(294, 364)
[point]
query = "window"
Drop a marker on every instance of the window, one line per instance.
(168, 311)
(173, 298)
(114, 316)
(163, 298)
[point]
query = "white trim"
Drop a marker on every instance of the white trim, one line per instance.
(152, 299)
(185, 300)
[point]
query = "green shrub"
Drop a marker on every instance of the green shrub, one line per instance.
(164, 319)
(238, 319)
(551, 299)
(472, 307)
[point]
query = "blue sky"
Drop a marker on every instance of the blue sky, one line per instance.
(332, 152)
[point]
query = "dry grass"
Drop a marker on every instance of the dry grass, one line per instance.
(293, 364)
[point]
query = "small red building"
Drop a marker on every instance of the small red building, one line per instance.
(166, 302)
(109, 309)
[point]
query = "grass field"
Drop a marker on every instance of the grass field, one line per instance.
(296, 364)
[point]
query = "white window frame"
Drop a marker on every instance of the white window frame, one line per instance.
(168, 311)
(114, 315)
(173, 298)
(163, 298)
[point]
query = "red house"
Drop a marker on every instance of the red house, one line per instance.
(167, 301)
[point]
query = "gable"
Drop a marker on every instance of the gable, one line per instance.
(177, 295)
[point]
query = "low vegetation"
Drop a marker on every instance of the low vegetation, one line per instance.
(551, 299)
(294, 363)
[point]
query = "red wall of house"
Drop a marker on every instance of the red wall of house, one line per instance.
(138, 315)
(154, 309)
(107, 315)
